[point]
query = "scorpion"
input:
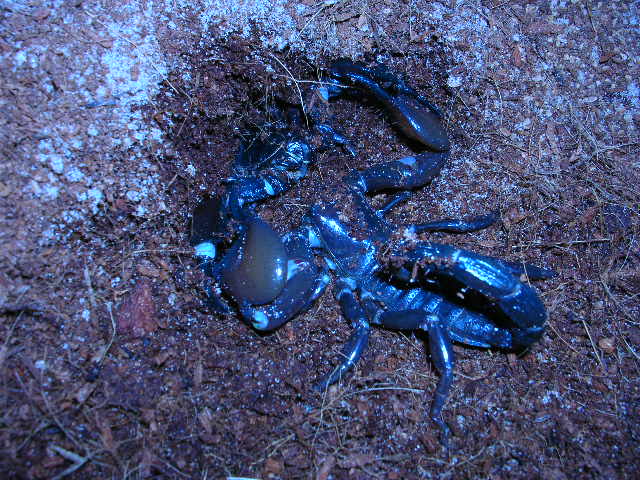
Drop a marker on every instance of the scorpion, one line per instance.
(384, 276)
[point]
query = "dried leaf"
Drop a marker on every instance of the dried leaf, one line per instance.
(106, 435)
(544, 28)
(357, 460)
(3, 354)
(41, 14)
(273, 466)
(84, 392)
(607, 55)
(137, 313)
(504, 132)
(162, 357)
(363, 408)
(363, 23)
(146, 463)
(105, 42)
(607, 344)
(589, 215)
(5, 190)
(198, 374)
(551, 137)
(343, 17)
(148, 270)
(517, 57)
(206, 420)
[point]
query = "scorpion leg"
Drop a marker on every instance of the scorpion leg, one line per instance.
(455, 226)
(215, 300)
(359, 339)
(391, 204)
(440, 347)
(333, 137)
(442, 355)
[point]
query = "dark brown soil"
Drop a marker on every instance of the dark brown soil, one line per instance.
(112, 366)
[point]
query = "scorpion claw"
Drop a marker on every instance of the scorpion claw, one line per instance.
(300, 291)
(257, 267)
(405, 107)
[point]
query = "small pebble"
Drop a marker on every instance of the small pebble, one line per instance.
(607, 344)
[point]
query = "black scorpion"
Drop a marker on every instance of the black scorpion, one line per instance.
(412, 285)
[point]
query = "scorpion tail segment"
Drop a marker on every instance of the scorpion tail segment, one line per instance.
(277, 151)
(406, 174)
(359, 339)
(441, 350)
(266, 169)
(489, 277)
(401, 319)
(456, 226)
(249, 190)
(299, 293)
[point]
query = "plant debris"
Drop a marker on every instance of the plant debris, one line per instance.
(119, 116)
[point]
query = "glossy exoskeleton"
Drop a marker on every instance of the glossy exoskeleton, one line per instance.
(411, 286)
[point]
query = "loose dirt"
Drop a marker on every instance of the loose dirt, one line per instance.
(118, 116)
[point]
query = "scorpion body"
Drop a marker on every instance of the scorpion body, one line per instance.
(410, 286)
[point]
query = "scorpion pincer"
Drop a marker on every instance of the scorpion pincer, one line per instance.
(453, 295)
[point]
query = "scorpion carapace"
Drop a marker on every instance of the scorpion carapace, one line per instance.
(269, 280)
